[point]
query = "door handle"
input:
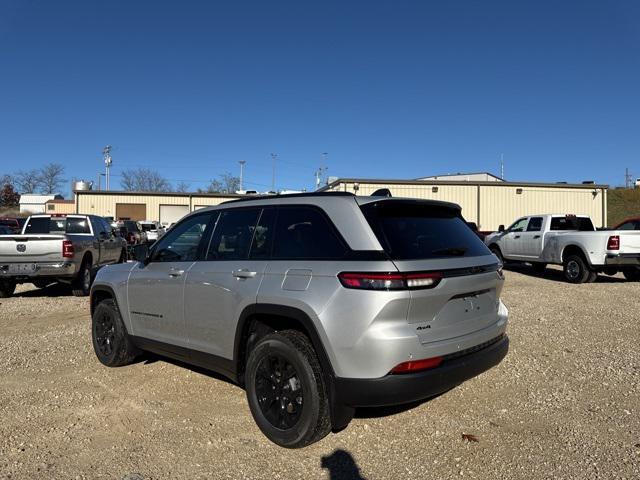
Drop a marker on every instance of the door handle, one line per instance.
(517, 236)
(175, 273)
(244, 273)
(536, 236)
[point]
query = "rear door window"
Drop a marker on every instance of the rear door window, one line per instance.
(535, 224)
(413, 230)
(233, 234)
(305, 233)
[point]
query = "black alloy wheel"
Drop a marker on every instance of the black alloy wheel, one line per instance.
(279, 391)
(105, 333)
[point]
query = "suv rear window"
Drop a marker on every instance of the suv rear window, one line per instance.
(582, 224)
(57, 225)
(409, 230)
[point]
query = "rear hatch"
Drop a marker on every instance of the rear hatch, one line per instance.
(427, 236)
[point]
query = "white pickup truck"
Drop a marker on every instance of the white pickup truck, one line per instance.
(570, 241)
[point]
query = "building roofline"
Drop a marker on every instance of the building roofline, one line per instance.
(588, 186)
(160, 194)
(462, 173)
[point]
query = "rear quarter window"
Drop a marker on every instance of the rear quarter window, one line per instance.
(409, 231)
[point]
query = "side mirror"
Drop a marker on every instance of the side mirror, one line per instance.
(141, 253)
(501, 228)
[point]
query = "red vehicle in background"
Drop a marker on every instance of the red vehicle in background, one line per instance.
(15, 224)
(631, 223)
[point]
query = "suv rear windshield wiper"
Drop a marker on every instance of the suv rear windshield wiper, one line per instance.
(452, 251)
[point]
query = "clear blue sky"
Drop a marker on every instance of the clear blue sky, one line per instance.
(393, 89)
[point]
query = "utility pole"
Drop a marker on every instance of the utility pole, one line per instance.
(628, 179)
(241, 162)
(274, 157)
(106, 153)
(322, 170)
(502, 166)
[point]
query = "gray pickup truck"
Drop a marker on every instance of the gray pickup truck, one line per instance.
(58, 248)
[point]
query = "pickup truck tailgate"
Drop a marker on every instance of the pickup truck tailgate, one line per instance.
(629, 241)
(30, 248)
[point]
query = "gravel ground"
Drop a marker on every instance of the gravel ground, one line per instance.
(563, 404)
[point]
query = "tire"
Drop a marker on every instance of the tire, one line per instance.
(632, 274)
(593, 276)
(576, 269)
(7, 288)
(539, 267)
(81, 286)
(111, 342)
(274, 409)
(496, 251)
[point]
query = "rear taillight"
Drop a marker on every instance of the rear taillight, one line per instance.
(417, 365)
(613, 243)
(67, 249)
(389, 281)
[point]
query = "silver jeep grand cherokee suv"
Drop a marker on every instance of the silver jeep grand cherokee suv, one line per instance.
(315, 303)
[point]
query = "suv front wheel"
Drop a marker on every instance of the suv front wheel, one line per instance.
(285, 390)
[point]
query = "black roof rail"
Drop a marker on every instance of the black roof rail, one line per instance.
(290, 195)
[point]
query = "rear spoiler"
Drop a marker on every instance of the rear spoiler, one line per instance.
(381, 192)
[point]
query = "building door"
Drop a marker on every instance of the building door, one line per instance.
(172, 213)
(131, 211)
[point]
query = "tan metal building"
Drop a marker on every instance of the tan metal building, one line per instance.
(161, 207)
(60, 206)
(491, 203)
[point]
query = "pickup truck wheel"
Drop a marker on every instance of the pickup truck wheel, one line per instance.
(496, 251)
(7, 287)
(632, 274)
(111, 342)
(285, 390)
(576, 269)
(81, 286)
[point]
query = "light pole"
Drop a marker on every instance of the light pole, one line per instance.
(241, 162)
(274, 157)
(106, 152)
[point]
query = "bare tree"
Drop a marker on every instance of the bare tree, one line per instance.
(144, 180)
(182, 187)
(27, 181)
(225, 183)
(6, 179)
(51, 178)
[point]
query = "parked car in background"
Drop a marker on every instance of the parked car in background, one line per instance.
(4, 230)
(130, 231)
(474, 226)
(61, 248)
(570, 241)
(315, 303)
(152, 230)
(14, 223)
(632, 223)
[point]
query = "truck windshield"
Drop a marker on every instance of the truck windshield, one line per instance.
(581, 224)
(412, 230)
(57, 225)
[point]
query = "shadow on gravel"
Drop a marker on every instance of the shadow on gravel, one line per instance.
(556, 275)
(150, 358)
(341, 466)
(53, 290)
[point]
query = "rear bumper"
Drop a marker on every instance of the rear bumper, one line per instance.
(55, 269)
(623, 259)
(407, 388)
